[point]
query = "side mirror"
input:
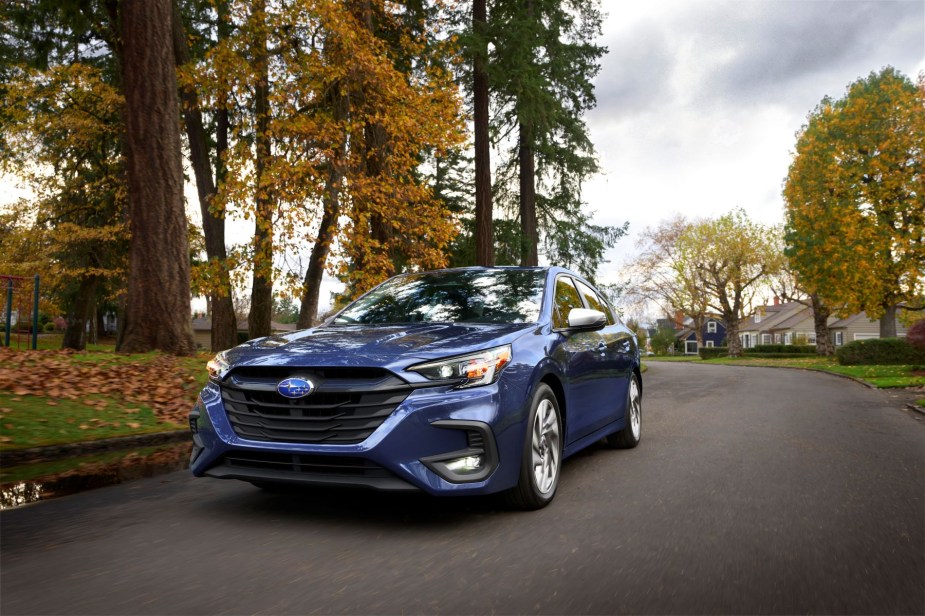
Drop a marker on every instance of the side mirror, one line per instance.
(582, 318)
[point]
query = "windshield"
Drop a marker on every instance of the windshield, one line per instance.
(460, 296)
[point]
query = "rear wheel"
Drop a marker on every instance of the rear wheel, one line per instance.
(629, 436)
(542, 453)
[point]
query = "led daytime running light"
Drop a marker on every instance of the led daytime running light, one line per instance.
(476, 369)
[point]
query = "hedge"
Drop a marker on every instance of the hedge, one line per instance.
(789, 349)
(711, 352)
(750, 353)
(879, 351)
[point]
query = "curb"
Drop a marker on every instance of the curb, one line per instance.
(18, 457)
(916, 408)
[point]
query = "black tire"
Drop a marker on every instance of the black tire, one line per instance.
(544, 427)
(630, 435)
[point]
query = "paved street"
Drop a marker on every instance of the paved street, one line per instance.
(753, 491)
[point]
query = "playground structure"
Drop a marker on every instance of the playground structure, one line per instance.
(16, 307)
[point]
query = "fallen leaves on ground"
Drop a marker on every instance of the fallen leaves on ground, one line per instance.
(162, 383)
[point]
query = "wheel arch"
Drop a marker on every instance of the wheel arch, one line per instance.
(558, 390)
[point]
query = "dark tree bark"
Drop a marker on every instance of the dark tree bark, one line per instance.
(888, 322)
(157, 313)
(79, 312)
(221, 307)
(484, 235)
(327, 230)
(821, 314)
(528, 230)
(258, 322)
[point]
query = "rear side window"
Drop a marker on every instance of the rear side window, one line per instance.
(566, 298)
(594, 301)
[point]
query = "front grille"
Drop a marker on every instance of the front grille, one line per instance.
(346, 406)
(304, 464)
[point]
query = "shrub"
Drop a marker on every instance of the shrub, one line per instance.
(711, 352)
(48, 328)
(790, 349)
(916, 335)
(882, 351)
(757, 355)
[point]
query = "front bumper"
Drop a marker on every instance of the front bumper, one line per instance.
(439, 440)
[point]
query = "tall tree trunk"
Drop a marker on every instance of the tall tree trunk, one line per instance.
(529, 233)
(224, 324)
(157, 313)
(888, 322)
(732, 335)
(262, 287)
(308, 311)
(821, 314)
(75, 332)
(484, 235)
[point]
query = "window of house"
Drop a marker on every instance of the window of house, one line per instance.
(788, 338)
(839, 338)
(866, 336)
(709, 344)
(776, 338)
(711, 327)
(690, 347)
(810, 338)
(765, 338)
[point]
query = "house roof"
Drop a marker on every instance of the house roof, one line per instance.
(842, 323)
(796, 317)
(773, 315)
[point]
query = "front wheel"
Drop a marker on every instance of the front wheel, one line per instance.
(542, 453)
(629, 436)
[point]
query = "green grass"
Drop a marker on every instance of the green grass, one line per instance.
(52, 342)
(34, 421)
(921, 403)
(878, 376)
(673, 358)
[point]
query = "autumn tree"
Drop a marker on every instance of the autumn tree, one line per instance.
(354, 102)
(157, 311)
(207, 149)
(662, 274)
(61, 135)
(855, 198)
(733, 258)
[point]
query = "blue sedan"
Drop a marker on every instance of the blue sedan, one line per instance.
(460, 381)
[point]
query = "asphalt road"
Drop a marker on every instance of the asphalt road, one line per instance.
(753, 491)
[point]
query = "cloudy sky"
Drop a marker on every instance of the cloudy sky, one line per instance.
(699, 100)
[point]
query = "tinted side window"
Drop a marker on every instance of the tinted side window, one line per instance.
(595, 302)
(566, 298)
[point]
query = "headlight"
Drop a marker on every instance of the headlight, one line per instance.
(480, 368)
(218, 366)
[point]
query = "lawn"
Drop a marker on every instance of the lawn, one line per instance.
(52, 397)
(878, 376)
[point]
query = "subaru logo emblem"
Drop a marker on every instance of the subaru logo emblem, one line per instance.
(295, 387)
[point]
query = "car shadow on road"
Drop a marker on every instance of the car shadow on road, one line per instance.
(314, 504)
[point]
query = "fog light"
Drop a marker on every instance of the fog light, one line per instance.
(469, 464)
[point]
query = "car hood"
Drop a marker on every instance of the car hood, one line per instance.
(374, 345)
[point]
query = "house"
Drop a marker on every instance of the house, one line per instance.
(860, 327)
(792, 323)
(202, 331)
(760, 327)
(714, 335)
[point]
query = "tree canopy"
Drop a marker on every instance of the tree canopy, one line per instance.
(855, 198)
